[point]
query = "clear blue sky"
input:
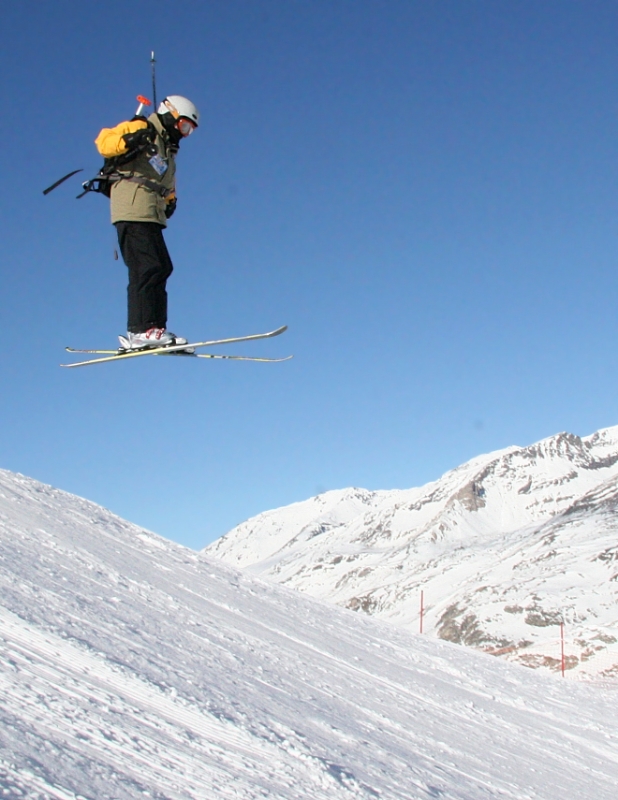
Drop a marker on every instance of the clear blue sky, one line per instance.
(425, 192)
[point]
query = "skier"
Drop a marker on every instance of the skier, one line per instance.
(143, 198)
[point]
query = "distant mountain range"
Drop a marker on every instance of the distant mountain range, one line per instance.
(504, 548)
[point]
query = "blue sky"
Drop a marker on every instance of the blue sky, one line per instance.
(425, 192)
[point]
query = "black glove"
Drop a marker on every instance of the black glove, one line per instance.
(170, 207)
(140, 140)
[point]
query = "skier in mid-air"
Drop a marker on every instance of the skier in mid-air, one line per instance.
(143, 198)
(138, 176)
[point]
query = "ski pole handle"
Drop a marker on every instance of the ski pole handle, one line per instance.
(143, 101)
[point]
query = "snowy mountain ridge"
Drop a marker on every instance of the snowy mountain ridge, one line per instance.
(133, 667)
(503, 548)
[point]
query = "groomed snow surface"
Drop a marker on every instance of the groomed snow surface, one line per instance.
(132, 667)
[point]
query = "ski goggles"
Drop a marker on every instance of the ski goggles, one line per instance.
(186, 126)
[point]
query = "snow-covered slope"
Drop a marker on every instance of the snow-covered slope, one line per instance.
(132, 667)
(504, 548)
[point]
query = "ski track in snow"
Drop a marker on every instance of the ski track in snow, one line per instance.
(133, 667)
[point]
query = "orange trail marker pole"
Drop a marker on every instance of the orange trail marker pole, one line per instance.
(422, 611)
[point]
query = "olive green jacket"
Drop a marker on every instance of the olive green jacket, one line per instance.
(131, 201)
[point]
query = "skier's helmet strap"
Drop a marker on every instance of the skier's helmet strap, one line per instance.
(180, 108)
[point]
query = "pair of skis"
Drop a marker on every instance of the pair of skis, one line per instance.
(178, 350)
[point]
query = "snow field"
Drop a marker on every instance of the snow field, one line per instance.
(132, 667)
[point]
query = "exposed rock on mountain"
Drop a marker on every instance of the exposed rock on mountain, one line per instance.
(504, 549)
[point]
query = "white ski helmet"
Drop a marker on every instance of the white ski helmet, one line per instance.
(179, 107)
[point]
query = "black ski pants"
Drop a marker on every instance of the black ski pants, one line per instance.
(145, 253)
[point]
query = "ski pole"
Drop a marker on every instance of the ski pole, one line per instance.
(143, 101)
(154, 80)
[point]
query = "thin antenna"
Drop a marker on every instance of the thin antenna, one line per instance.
(154, 79)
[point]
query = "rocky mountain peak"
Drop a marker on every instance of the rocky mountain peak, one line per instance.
(530, 528)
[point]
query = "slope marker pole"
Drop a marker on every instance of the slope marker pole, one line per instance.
(422, 611)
